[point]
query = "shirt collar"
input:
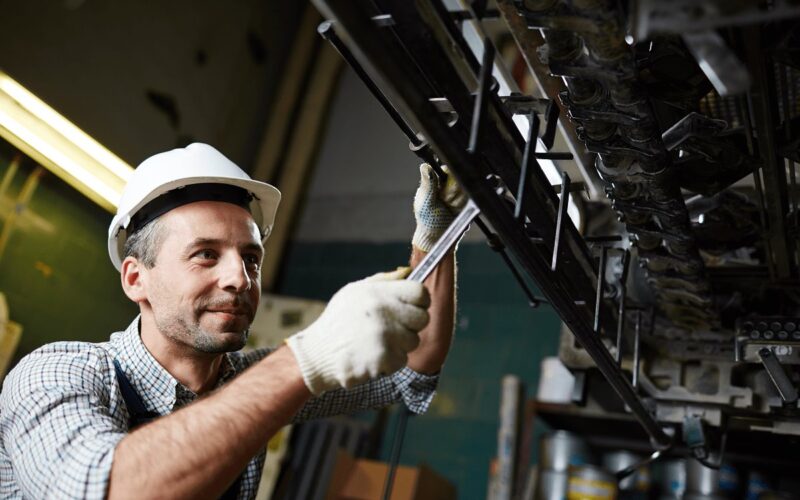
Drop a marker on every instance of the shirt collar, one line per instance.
(158, 389)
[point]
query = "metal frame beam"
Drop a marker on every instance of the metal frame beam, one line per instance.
(388, 63)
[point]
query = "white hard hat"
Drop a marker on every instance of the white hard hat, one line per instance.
(169, 172)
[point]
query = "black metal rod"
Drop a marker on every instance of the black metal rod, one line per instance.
(397, 447)
(601, 284)
(796, 195)
(764, 104)
(497, 245)
(563, 204)
(636, 333)
(778, 376)
(465, 15)
(328, 32)
(379, 55)
(762, 204)
(554, 156)
(482, 98)
(623, 286)
(787, 121)
(549, 135)
(528, 161)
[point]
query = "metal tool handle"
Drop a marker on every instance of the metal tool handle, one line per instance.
(428, 263)
(445, 243)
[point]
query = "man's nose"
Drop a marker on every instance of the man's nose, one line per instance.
(233, 274)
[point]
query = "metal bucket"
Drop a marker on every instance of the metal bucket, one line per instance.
(589, 482)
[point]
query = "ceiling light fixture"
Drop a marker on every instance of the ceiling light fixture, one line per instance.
(43, 134)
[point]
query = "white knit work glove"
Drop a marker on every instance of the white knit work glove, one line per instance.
(435, 206)
(365, 331)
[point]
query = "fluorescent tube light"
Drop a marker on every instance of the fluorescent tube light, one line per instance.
(42, 133)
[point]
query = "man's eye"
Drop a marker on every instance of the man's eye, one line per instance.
(253, 261)
(206, 254)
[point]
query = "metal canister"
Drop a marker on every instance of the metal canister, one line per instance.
(557, 451)
(560, 449)
(635, 485)
(757, 484)
(669, 477)
(705, 483)
(589, 482)
(551, 485)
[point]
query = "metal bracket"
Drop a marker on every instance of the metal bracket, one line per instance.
(776, 373)
(482, 97)
(563, 204)
(528, 162)
(601, 283)
(519, 104)
(694, 436)
(549, 136)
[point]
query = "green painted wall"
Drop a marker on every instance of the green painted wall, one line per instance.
(54, 268)
(497, 333)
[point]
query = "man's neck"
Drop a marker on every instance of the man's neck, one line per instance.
(199, 372)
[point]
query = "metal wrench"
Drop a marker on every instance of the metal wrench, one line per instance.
(428, 263)
(445, 242)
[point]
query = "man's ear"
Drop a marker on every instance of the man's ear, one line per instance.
(132, 280)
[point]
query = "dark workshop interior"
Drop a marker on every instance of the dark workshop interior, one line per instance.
(628, 288)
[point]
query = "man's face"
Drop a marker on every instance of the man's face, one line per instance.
(205, 286)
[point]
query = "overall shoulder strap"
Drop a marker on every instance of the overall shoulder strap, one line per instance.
(138, 411)
(139, 416)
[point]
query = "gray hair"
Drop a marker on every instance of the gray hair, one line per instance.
(145, 243)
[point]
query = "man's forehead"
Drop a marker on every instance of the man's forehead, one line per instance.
(222, 208)
(205, 219)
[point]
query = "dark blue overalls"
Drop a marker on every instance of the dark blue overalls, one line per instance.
(140, 416)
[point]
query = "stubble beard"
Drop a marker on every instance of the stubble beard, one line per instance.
(195, 336)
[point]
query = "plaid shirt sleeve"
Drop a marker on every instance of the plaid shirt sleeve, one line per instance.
(56, 424)
(415, 389)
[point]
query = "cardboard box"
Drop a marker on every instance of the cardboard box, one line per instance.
(361, 479)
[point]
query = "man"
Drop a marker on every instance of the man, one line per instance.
(167, 408)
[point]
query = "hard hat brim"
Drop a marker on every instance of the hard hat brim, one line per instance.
(264, 206)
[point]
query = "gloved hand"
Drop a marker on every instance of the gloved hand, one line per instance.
(366, 330)
(435, 206)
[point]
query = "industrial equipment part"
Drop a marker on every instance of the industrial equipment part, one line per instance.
(477, 152)
(681, 287)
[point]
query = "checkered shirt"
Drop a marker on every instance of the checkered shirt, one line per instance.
(62, 412)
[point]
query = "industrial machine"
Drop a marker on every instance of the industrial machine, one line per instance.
(679, 119)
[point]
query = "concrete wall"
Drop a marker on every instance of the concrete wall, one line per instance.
(95, 62)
